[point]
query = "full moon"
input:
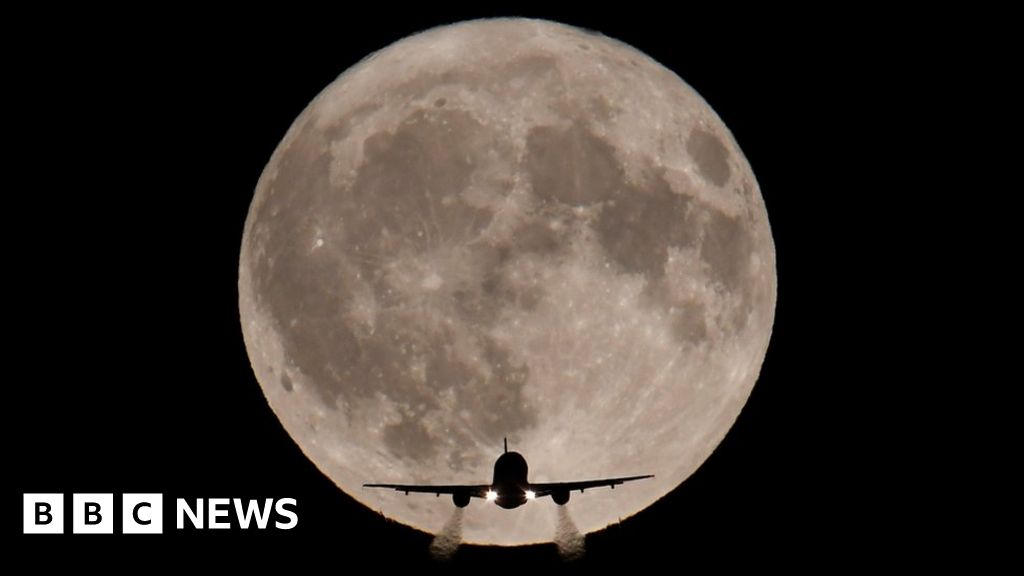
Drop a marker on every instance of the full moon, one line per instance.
(511, 228)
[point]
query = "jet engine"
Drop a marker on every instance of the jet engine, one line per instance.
(561, 497)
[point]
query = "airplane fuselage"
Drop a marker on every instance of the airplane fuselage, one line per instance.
(509, 483)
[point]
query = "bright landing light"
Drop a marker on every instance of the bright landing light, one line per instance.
(530, 494)
(492, 495)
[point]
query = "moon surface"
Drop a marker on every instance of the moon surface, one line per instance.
(507, 228)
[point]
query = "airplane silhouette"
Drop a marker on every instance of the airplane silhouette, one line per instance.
(509, 488)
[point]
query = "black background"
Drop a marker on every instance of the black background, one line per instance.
(135, 153)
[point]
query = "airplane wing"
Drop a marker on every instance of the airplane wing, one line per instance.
(548, 489)
(476, 491)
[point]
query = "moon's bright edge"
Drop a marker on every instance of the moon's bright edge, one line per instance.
(507, 228)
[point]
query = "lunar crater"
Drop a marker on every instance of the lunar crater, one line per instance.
(710, 155)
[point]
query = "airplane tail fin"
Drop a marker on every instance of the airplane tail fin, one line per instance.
(506, 445)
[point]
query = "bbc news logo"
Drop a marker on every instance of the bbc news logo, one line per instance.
(143, 513)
